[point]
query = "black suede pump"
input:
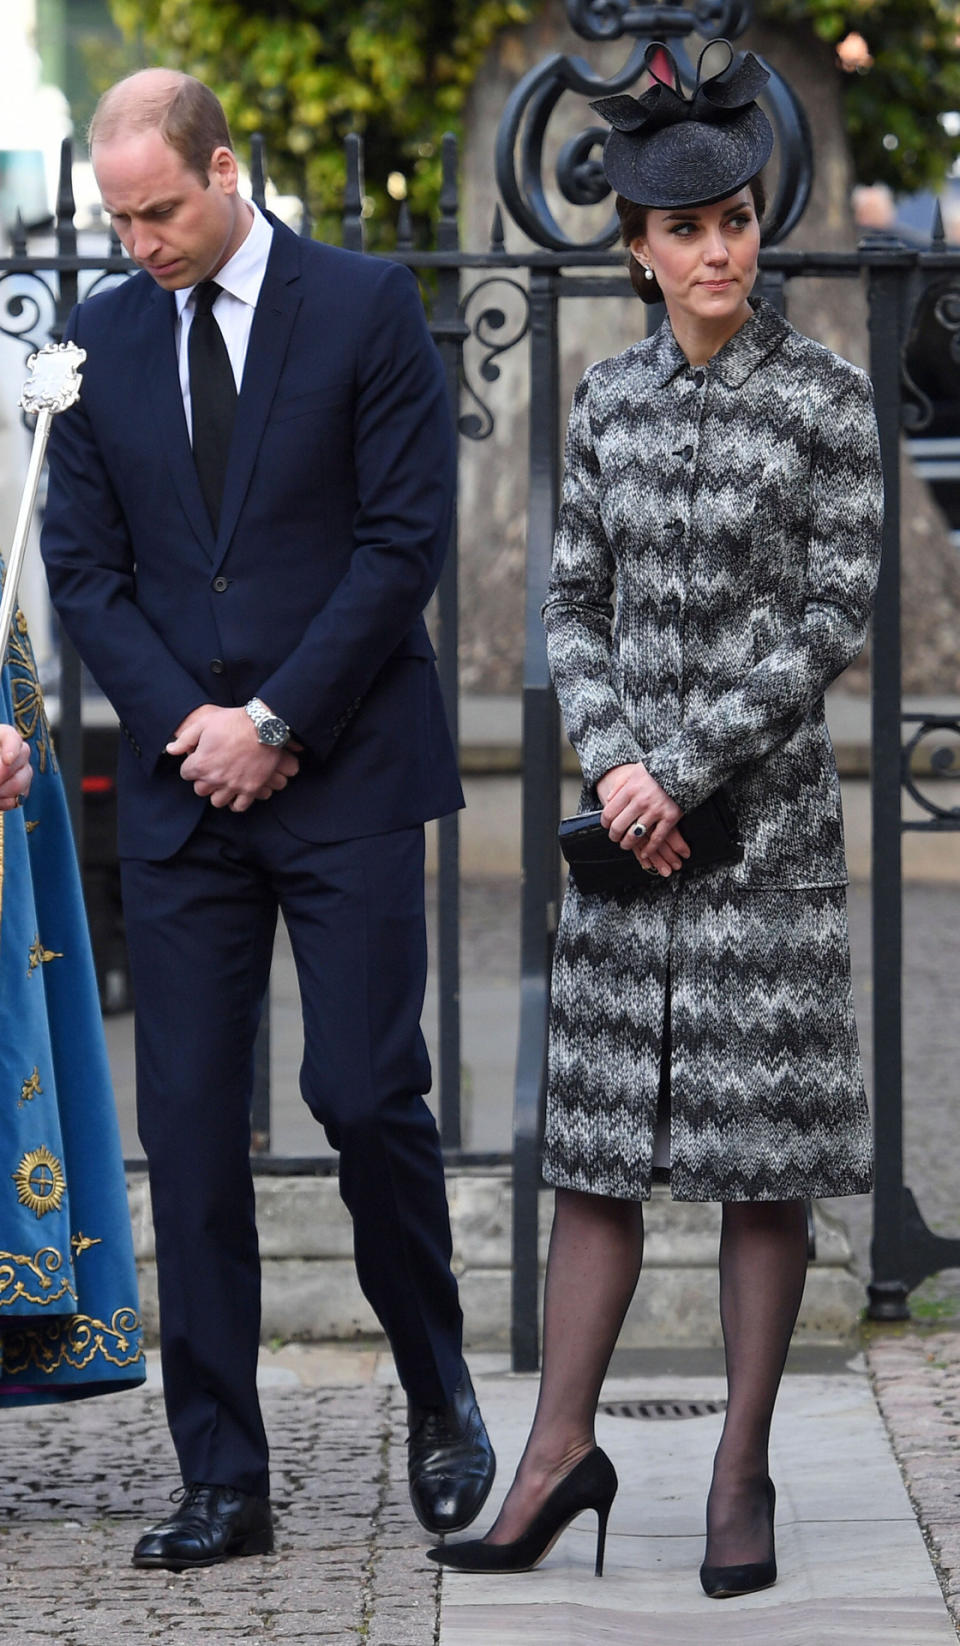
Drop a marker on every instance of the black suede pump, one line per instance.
(723, 1582)
(591, 1484)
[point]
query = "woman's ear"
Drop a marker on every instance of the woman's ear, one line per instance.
(638, 250)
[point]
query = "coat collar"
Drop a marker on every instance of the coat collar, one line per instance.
(273, 321)
(742, 353)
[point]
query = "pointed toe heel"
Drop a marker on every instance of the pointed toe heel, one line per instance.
(725, 1582)
(592, 1484)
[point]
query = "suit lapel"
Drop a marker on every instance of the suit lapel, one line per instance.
(273, 321)
(162, 374)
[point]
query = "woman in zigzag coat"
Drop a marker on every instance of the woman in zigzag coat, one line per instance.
(714, 568)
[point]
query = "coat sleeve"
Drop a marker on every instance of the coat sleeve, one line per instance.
(404, 461)
(91, 571)
(843, 557)
(578, 610)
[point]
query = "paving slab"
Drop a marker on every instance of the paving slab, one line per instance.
(853, 1563)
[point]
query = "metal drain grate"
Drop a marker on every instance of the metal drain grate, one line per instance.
(663, 1408)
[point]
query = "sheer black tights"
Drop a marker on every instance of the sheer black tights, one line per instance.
(596, 1249)
(763, 1266)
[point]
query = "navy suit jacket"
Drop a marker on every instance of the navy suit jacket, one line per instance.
(335, 520)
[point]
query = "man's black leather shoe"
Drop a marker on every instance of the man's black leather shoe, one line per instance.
(210, 1524)
(450, 1461)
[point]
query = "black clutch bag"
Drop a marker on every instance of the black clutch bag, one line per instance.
(599, 864)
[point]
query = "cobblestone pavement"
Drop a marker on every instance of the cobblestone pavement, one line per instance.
(916, 1378)
(82, 1481)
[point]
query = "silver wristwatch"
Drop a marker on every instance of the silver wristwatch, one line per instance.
(271, 730)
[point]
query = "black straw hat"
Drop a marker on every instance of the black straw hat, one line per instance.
(667, 150)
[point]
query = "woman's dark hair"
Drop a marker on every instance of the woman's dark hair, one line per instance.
(633, 226)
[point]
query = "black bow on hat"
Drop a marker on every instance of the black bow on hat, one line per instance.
(670, 150)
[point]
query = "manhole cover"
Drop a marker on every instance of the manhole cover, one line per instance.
(663, 1408)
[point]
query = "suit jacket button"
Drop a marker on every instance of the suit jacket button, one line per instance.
(221, 583)
(216, 665)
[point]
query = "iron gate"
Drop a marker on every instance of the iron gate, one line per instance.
(38, 289)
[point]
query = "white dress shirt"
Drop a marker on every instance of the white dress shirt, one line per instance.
(240, 280)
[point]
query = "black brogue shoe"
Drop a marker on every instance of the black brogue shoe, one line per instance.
(450, 1461)
(210, 1524)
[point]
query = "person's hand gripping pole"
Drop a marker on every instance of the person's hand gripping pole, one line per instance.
(53, 385)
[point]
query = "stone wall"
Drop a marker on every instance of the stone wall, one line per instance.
(310, 1291)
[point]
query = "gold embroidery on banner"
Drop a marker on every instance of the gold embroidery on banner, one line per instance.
(82, 1243)
(31, 826)
(29, 715)
(39, 955)
(30, 1089)
(74, 1342)
(40, 1182)
(16, 1270)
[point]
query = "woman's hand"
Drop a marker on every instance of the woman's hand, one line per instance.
(16, 772)
(631, 797)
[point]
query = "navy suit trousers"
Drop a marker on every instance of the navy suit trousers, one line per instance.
(200, 927)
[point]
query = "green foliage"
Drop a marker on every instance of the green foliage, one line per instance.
(915, 78)
(306, 72)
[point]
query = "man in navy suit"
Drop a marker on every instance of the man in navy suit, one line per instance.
(248, 510)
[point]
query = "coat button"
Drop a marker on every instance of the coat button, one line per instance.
(673, 605)
(221, 583)
(671, 682)
(676, 527)
(687, 453)
(216, 665)
(698, 379)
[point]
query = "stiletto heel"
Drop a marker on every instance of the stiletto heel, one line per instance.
(603, 1515)
(591, 1484)
(723, 1582)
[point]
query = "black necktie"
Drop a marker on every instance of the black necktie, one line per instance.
(213, 397)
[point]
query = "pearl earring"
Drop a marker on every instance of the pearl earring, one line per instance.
(647, 272)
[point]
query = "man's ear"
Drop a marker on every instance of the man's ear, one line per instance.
(223, 169)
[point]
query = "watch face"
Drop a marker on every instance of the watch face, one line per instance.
(272, 731)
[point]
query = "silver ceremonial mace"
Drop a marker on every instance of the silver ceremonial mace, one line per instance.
(54, 384)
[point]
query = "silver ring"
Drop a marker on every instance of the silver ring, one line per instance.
(640, 830)
(20, 799)
(648, 868)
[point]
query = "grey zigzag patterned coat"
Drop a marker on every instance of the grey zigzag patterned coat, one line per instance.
(714, 567)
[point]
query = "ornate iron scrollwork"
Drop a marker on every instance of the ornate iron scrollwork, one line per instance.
(491, 330)
(931, 355)
(611, 19)
(579, 175)
(27, 309)
(944, 763)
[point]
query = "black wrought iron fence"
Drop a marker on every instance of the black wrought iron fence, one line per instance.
(37, 291)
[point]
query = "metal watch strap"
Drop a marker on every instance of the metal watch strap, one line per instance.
(271, 730)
